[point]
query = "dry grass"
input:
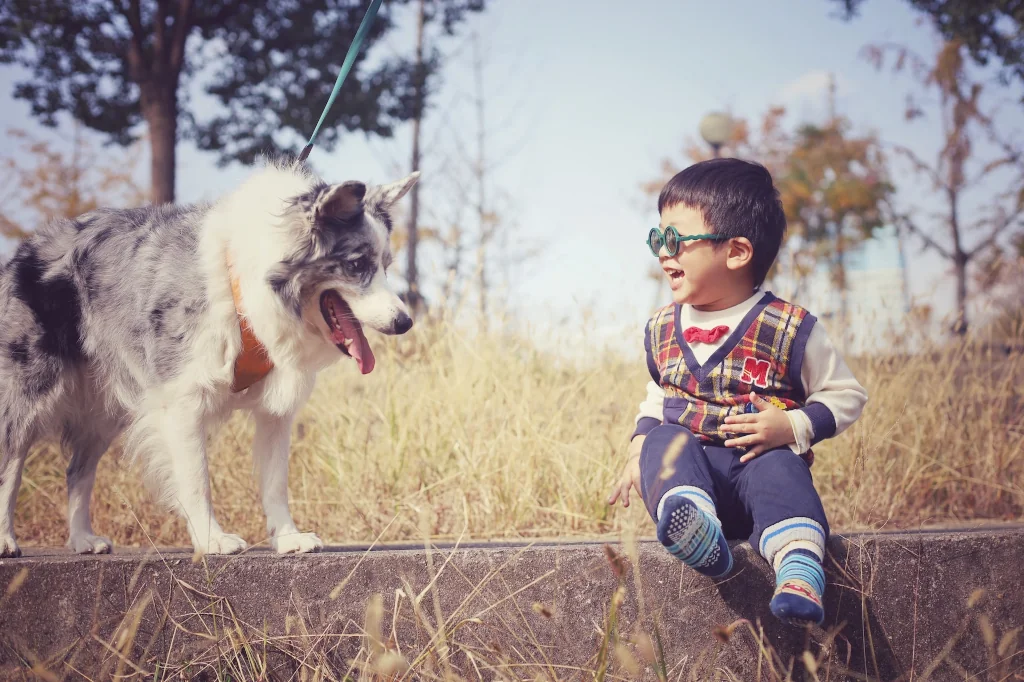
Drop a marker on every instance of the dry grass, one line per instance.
(493, 439)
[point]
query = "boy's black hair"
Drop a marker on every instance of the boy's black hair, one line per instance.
(737, 199)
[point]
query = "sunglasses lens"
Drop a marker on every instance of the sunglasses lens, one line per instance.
(671, 241)
(654, 241)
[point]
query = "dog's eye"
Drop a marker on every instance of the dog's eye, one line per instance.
(357, 266)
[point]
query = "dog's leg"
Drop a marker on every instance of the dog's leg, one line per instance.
(177, 453)
(81, 474)
(10, 480)
(270, 452)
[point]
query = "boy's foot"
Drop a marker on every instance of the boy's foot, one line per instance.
(694, 537)
(800, 582)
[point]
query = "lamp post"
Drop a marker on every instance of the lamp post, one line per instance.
(716, 128)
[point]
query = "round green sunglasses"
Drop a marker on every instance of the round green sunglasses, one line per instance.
(670, 239)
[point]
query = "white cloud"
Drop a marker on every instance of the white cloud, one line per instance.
(813, 86)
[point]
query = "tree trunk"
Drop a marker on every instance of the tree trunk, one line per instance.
(904, 280)
(157, 72)
(414, 298)
(484, 225)
(453, 266)
(162, 118)
(841, 283)
(481, 281)
(960, 259)
(960, 268)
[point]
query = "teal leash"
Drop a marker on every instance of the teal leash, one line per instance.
(364, 28)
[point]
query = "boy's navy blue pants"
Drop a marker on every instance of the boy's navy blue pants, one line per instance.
(770, 500)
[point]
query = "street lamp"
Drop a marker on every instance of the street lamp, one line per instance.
(716, 128)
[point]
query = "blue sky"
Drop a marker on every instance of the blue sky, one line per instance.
(583, 102)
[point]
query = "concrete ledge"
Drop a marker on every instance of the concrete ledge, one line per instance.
(897, 608)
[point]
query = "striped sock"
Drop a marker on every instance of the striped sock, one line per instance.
(799, 585)
(689, 528)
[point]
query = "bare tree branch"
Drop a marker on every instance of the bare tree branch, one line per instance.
(160, 46)
(135, 56)
(920, 165)
(912, 227)
(182, 26)
(1008, 221)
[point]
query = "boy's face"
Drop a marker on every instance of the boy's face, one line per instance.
(699, 272)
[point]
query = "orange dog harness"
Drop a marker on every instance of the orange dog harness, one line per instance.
(253, 363)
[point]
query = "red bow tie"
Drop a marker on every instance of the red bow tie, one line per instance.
(698, 335)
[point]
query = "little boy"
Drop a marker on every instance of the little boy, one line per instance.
(743, 384)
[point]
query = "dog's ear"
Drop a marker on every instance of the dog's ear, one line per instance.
(390, 194)
(340, 201)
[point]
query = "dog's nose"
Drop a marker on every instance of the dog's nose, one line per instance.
(403, 323)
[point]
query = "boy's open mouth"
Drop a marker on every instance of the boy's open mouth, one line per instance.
(675, 277)
(346, 332)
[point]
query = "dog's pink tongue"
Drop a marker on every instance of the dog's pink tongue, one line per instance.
(360, 348)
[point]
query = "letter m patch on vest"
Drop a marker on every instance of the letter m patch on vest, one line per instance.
(755, 371)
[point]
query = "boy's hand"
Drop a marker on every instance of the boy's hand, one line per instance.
(769, 428)
(630, 474)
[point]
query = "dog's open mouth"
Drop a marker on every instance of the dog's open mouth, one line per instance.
(346, 332)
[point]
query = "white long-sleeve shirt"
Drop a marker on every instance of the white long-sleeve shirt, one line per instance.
(825, 376)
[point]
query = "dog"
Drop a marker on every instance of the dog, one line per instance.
(156, 323)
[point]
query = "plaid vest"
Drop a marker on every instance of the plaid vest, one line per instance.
(764, 354)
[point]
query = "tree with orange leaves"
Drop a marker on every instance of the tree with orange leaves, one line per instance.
(833, 188)
(41, 182)
(832, 184)
(962, 169)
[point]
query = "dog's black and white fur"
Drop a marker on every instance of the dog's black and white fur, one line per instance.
(124, 321)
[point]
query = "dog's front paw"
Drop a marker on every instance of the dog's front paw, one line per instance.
(296, 542)
(9, 548)
(223, 543)
(90, 544)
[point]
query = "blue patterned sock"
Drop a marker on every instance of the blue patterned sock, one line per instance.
(691, 531)
(799, 585)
